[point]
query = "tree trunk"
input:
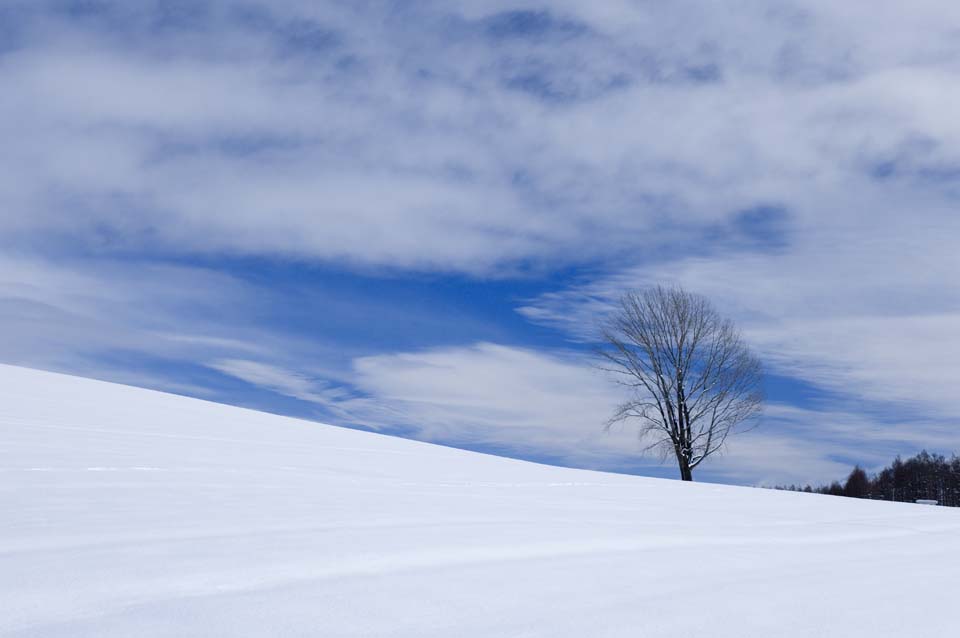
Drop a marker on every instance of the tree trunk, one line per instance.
(686, 474)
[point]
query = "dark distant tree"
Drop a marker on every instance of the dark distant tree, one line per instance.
(691, 377)
(857, 485)
(899, 486)
(835, 489)
(953, 498)
(924, 476)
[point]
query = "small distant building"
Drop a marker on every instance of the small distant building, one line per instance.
(926, 501)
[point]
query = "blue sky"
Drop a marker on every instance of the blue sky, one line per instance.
(409, 216)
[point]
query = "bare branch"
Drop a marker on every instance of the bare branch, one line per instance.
(693, 379)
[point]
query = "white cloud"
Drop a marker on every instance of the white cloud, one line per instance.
(521, 401)
(493, 394)
(430, 140)
(553, 405)
(280, 380)
(869, 314)
(116, 320)
(432, 136)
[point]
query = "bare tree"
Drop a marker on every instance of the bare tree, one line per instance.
(692, 378)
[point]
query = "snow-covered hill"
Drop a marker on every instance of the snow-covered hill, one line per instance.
(127, 513)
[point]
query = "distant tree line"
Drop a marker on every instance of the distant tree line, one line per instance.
(924, 476)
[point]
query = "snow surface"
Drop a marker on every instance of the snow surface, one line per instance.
(129, 513)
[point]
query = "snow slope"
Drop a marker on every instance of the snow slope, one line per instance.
(129, 513)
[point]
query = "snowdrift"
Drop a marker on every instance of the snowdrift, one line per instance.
(127, 512)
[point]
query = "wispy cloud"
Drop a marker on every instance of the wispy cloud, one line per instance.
(553, 405)
(458, 138)
(851, 316)
(126, 321)
(277, 379)
(512, 399)
(797, 162)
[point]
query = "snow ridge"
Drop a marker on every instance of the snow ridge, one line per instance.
(135, 513)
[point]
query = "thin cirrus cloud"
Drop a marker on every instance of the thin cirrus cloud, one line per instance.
(452, 138)
(280, 380)
(795, 161)
(100, 318)
(553, 406)
(483, 394)
(857, 318)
